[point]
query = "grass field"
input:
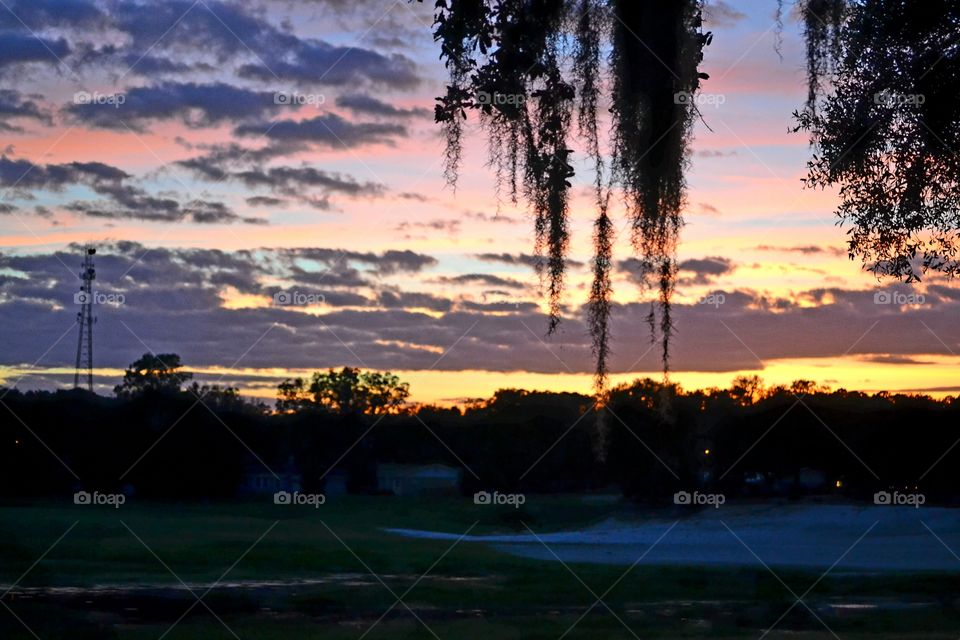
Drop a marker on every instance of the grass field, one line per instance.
(265, 571)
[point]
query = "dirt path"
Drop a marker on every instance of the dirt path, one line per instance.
(853, 538)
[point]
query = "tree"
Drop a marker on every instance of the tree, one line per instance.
(292, 395)
(382, 392)
(746, 389)
(348, 391)
(153, 373)
(217, 397)
(888, 129)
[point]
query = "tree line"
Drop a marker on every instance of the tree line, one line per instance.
(164, 436)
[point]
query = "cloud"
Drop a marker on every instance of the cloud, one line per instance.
(367, 105)
(14, 105)
(122, 200)
(230, 154)
(709, 209)
(721, 14)
(216, 28)
(316, 61)
(450, 227)
(387, 263)
(26, 174)
(715, 153)
(511, 258)
(196, 105)
(150, 66)
(413, 300)
(50, 13)
(522, 259)
(394, 261)
(484, 217)
(305, 184)
(329, 130)
(18, 48)
(179, 36)
(292, 180)
(890, 359)
(483, 278)
(809, 249)
(703, 270)
(174, 302)
(709, 266)
(265, 201)
(134, 204)
(204, 211)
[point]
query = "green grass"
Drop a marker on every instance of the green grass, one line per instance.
(472, 592)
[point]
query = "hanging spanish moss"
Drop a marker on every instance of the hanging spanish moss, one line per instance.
(526, 67)
(821, 21)
(651, 133)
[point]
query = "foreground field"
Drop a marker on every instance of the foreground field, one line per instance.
(266, 571)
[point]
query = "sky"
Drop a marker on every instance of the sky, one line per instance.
(263, 182)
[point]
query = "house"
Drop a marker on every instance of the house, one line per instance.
(335, 484)
(805, 481)
(418, 479)
(260, 481)
(812, 480)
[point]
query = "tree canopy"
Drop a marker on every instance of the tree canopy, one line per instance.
(348, 391)
(153, 373)
(884, 123)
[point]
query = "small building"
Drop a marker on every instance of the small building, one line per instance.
(335, 484)
(804, 481)
(418, 479)
(812, 479)
(259, 481)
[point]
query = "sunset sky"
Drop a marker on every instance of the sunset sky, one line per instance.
(153, 131)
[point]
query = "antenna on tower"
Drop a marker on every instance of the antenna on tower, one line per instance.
(85, 319)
